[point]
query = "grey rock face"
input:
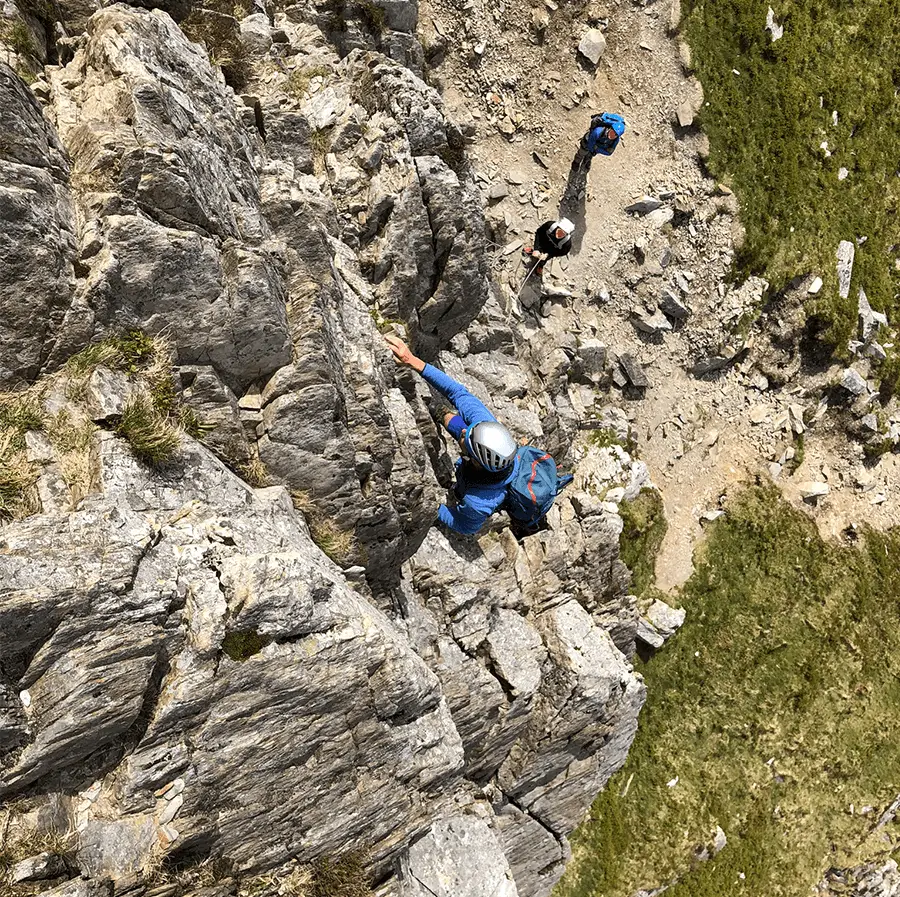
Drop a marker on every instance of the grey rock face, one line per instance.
(459, 857)
(194, 566)
(37, 239)
(174, 240)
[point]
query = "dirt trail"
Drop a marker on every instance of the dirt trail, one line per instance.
(696, 435)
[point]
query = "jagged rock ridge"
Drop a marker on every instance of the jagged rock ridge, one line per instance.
(183, 668)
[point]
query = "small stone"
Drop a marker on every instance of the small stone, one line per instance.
(710, 516)
(633, 370)
(759, 413)
(645, 206)
(870, 422)
(37, 868)
(655, 323)
(760, 382)
(665, 619)
(168, 835)
(776, 30)
(171, 809)
(845, 254)
(842, 174)
(775, 470)
(864, 480)
(25, 698)
(879, 499)
(498, 191)
(592, 45)
(719, 840)
(795, 417)
(672, 306)
(869, 319)
(711, 438)
(661, 217)
(853, 382)
(811, 490)
(815, 286)
(684, 114)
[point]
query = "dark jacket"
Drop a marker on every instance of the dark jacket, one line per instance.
(545, 241)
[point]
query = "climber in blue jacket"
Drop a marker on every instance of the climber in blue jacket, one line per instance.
(602, 138)
(489, 459)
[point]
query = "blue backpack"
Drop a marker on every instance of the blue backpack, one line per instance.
(609, 120)
(535, 486)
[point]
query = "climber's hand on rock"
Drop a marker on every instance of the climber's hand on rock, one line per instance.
(403, 354)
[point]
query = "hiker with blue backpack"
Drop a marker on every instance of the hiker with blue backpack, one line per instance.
(602, 138)
(494, 472)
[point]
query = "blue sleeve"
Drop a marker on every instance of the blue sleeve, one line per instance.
(462, 518)
(471, 409)
(593, 137)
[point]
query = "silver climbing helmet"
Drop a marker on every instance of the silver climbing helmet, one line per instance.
(491, 445)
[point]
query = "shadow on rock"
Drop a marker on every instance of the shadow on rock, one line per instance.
(572, 204)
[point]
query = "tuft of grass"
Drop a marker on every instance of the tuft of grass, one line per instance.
(19, 413)
(298, 80)
(131, 351)
(775, 707)
(344, 877)
(243, 643)
(320, 144)
(340, 545)
(255, 473)
(17, 479)
(766, 126)
(72, 441)
(17, 36)
(219, 32)
(152, 436)
(644, 528)
(605, 437)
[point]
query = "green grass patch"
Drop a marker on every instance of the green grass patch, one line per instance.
(132, 351)
(340, 545)
(605, 437)
(766, 126)
(644, 528)
(775, 706)
(152, 436)
(19, 413)
(17, 36)
(243, 643)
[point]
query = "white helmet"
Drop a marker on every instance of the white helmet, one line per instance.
(491, 446)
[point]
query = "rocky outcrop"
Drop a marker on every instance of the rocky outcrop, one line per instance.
(184, 672)
(37, 236)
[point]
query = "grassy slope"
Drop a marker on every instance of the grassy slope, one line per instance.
(791, 651)
(766, 126)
